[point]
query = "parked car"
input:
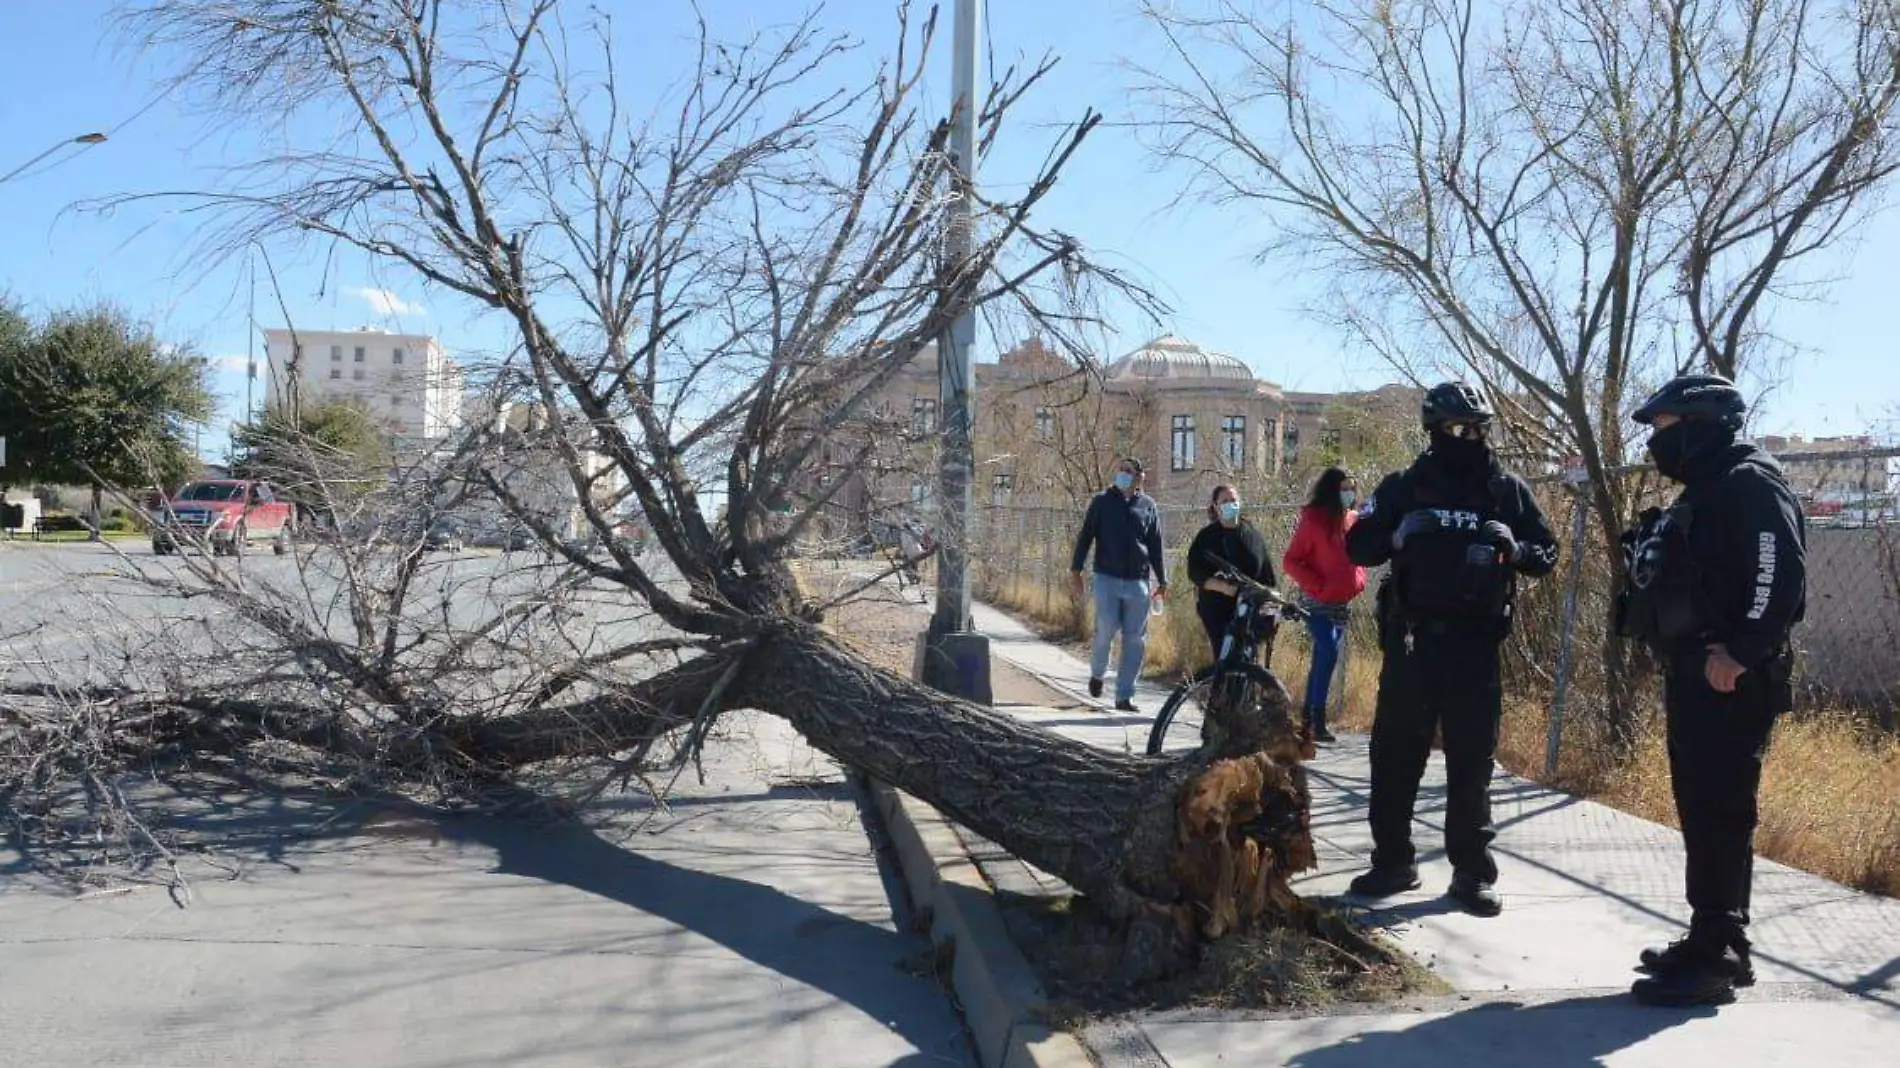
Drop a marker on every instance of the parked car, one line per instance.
(517, 539)
(227, 514)
(447, 535)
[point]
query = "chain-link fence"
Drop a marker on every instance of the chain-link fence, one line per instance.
(1848, 647)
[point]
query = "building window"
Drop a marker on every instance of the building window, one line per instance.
(1233, 432)
(1290, 444)
(923, 416)
(1001, 486)
(395, 401)
(357, 374)
(395, 356)
(1269, 440)
(336, 353)
(336, 372)
(1181, 444)
(1045, 423)
(919, 494)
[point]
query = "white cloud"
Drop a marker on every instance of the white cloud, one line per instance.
(233, 364)
(386, 303)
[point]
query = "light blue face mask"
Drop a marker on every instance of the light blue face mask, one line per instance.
(1123, 480)
(1347, 499)
(1229, 511)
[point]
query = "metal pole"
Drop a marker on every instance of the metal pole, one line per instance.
(955, 355)
(250, 351)
(951, 657)
(1572, 590)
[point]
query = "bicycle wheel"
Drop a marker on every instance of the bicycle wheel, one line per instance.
(1177, 726)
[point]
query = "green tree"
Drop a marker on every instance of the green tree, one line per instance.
(330, 454)
(93, 397)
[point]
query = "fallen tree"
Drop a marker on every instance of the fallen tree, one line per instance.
(692, 301)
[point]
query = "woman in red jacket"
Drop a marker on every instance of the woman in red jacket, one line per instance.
(1316, 559)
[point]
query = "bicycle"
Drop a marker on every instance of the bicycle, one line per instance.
(1234, 674)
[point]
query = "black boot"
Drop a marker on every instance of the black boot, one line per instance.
(1385, 881)
(1702, 977)
(1478, 897)
(1681, 953)
(1316, 719)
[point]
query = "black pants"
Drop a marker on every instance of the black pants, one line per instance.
(1447, 679)
(1716, 745)
(1216, 612)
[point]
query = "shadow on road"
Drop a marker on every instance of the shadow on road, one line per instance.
(841, 956)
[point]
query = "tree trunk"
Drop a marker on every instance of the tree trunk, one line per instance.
(1178, 848)
(98, 516)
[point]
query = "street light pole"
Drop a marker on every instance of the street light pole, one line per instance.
(82, 139)
(951, 657)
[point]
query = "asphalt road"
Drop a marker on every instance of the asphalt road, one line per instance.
(80, 613)
(747, 923)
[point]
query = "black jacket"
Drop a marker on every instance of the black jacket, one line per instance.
(1126, 535)
(1242, 546)
(1749, 543)
(1369, 542)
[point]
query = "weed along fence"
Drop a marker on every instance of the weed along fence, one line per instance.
(1847, 649)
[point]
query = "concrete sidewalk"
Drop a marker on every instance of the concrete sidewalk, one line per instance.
(1546, 983)
(749, 924)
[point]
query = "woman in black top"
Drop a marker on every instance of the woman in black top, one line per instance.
(1231, 539)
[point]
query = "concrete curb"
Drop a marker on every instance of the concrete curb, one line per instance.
(994, 983)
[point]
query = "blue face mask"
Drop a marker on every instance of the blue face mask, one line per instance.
(1347, 499)
(1123, 480)
(1229, 511)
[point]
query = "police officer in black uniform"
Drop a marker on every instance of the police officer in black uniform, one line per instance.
(1714, 584)
(1458, 530)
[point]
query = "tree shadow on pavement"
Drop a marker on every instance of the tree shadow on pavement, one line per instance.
(1578, 1032)
(844, 957)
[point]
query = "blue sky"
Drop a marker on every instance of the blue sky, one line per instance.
(67, 74)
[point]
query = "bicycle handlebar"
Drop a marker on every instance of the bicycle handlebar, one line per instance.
(1230, 573)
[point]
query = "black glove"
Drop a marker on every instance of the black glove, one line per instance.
(1419, 521)
(1496, 533)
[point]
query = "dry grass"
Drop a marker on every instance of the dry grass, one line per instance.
(1828, 787)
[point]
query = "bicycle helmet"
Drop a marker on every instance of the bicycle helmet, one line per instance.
(1707, 397)
(1453, 402)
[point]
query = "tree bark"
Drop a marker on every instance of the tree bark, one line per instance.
(1180, 849)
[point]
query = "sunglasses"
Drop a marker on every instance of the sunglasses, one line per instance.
(1466, 431)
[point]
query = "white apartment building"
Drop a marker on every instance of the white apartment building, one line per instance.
(406, 382)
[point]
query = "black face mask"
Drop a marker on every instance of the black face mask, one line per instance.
(1461, 456)
(1675, 447)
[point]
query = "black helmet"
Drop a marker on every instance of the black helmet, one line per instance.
(1709, 397)
(1453, 402)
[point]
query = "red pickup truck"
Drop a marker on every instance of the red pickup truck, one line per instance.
(229, 514)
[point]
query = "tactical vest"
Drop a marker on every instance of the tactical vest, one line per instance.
(1453, 573)
(1659, 598)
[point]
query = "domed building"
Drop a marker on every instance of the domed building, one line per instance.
(1196, 417)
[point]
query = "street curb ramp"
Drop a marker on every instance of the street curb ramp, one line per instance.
(995, 985)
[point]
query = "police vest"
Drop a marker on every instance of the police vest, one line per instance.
(1658, 602)
(1453, 573)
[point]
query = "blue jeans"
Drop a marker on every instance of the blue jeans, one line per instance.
(1121, 607)
(1327, 634)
